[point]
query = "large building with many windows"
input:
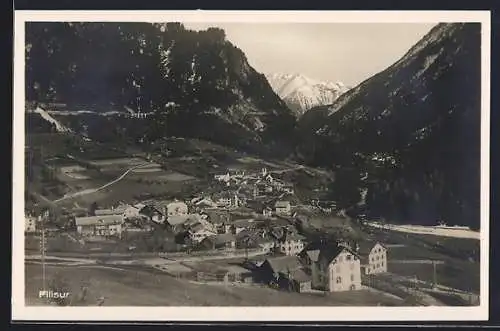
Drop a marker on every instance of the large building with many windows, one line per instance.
(373, 257)
(104, 225)
(335, 269)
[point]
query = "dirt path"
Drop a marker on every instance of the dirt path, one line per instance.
(88, 191)
(286, 170)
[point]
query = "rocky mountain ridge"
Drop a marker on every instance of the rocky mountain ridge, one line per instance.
(301, 93)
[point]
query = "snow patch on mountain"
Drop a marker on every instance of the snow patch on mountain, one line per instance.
(165, 55)
(301, 93)
(46, 116)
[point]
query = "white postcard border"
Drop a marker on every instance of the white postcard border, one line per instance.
(21, 312)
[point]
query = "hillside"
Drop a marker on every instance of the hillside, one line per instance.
(192, 84)
(301, 93)
(410, 135)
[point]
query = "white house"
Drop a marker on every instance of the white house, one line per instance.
(283, 208)
(127, 211)
(267, 212)
(132, 211)
(336, 269)
(265, 244)
(240, 225)
(177, 208)
(293, 244)
(30, 225)
(223, 178)
(373, 257)
(105, 225)
(198, 232)
(228, 200)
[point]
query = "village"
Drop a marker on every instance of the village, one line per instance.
(251, 216)
(247, 229)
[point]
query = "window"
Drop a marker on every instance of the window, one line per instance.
(378, 265)
(348, 257)
(339, 280)
(382, 264)
(352, 278)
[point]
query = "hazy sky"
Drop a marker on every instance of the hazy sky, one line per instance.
(349, 53)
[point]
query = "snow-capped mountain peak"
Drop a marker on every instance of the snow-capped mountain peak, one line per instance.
(301, 93)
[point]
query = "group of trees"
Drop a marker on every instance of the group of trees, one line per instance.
(142, 65)
(430, 127)
(180, 75)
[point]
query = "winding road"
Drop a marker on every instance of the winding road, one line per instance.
(286, 170)
(93, 190)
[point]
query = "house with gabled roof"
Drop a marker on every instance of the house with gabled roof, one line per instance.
(153, 213)
(373, 256)
(225, 241)
(198, 231)
(105, 225)
(30, 224)
(286, 272)
(290, 243)
(309, 254)
(266, 244)
(283, 208)
(336, 269)
(176, 208)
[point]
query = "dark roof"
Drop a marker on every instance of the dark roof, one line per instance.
(280, 221)
(284, 263)
(217, 216)
(243, 234)
(257, 261)
(281, 204)
(265, 240)
(249, 222)
(277, 233)
(221, 239)
(300, 276)
(330, 252)
(150, 210)
(366, 246)
(197, 227)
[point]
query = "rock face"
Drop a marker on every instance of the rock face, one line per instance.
(301, 93)
(411, 132)
(193, 84)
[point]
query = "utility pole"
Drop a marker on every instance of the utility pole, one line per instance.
(434, 274)
(43, 244)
